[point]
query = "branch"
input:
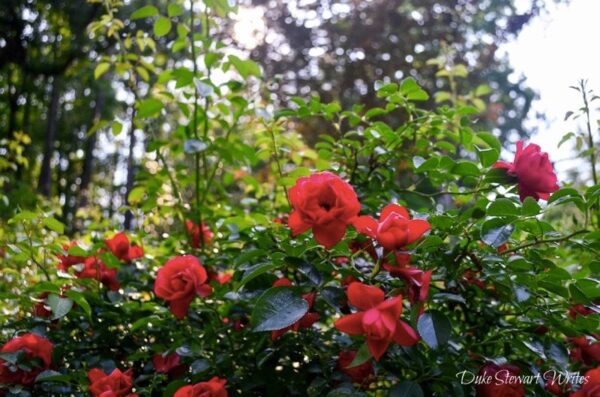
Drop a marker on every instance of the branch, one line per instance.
(545, 241)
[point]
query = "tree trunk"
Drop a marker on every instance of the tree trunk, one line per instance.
(130, 170)
(88, 158)
(45, 181)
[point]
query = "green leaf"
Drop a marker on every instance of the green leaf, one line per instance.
(101, 69)
(565, 138)
(502, 207)
(412, 91)
(111, 261)
(245, 68)
(562, 194)
(530, 207)
(116, 128)
(422, 165)
(60, 306)
(77, 251)
(487, 156)
(406, 388)
(149, 107)
(162, 26)
(54, 225)
(346, 391)
(80, 300)
(435, 328)
(465, 168)
(254, 271)
(136, 195)
(23, 216)
(577, 295)
(482, 89)
(363, 354)
(144, 12)
(174, 10)
(496, 232)
(52, 376)
(277, 308)
(219, 6)
(490, 139)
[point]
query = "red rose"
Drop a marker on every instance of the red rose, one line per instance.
(579, 310)
(95, 269)
(179, 281)
(213, 388)
(585, 351)
(378, 319)
(165, 363)
(591, 387)
(34, 347)
(533, 170)
(395, 229)
(66, 261)
(504, 381)
(306, 321)
(417, 282)
(325, 203)
(358, 373)
(121, 248)
(117, 384)
(198, 235)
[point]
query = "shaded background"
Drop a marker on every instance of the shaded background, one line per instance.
(521, 55)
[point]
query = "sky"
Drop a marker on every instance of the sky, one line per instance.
(553, 52)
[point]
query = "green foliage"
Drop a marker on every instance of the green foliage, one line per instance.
(505, 272)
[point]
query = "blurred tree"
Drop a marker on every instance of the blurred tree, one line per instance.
(340, 48)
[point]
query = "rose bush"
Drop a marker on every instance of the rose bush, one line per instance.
(385, 260)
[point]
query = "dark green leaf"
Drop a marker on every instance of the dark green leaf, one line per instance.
(406, 388)
(435, 328)
(465, 168)
(362, 356)
(59, 306)
(495, 232)
(277, 308)
(52, 376)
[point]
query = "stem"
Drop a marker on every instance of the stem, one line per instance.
(276, 154)
(160, 156)
(586, 110)
(195, 127)
(592, 148)
(546, 241)
(213, 173)
(436, 194)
